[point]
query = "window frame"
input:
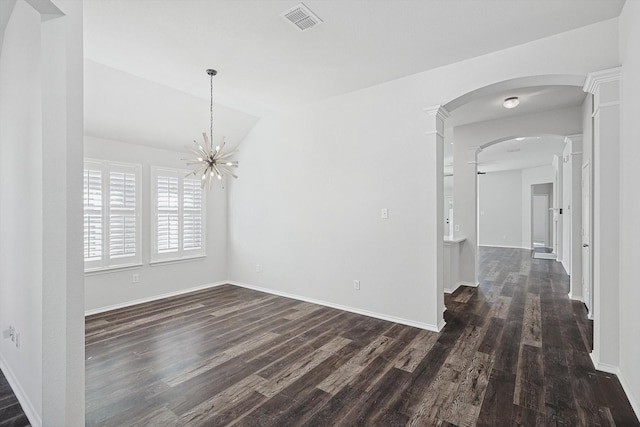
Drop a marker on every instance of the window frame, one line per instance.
(106, 261)
(180, 254)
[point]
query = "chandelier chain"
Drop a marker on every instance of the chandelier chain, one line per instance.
(211, 109)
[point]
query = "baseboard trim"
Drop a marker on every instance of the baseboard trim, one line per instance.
(25, 402)
(506, 247)
(615, 370)
(400, 320)
(635, 403)
(469, 284)
(153, 298)
(575, 298)
(450, 291)
(604, 367)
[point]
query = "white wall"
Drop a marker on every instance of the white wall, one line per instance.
(108, 289)
(630, 202)
(41, 287)
(21, 202)
(500, 209)
(307, 207)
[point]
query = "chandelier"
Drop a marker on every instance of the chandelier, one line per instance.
(210, 162)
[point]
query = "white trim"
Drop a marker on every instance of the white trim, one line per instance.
(575, 298)
(615, 370)
(25, 402)
(154, 298)
(176, 260)
(108, 270)
(507, 247)
(469, 284)
(635, 404)
(400, 320)
(438, 111)
(455, 288)
(593, 81)
(604, 367)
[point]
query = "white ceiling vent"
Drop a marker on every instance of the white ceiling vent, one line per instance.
(302, 17)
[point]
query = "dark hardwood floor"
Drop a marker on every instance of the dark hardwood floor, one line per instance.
(514, 352)
(11, 413)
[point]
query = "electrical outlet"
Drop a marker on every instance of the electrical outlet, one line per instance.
(356, 285)
(12, 333)
(18, 340)
(258, 268)
(135, 278)
(457, 228)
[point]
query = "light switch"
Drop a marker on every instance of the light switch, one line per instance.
(384, 213)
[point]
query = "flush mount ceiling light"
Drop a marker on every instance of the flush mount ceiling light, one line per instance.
(511, 102)
(209, 162)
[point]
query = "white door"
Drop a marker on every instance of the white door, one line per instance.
(540, 220)
(586, 238)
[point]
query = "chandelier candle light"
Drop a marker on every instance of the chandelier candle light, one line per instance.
(210, 162)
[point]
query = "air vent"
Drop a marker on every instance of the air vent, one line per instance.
(302, 17)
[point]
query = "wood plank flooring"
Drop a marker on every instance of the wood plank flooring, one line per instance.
(11, 413)
(514, 352)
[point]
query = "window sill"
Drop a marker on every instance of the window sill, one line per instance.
(114, 269)
(160, 262)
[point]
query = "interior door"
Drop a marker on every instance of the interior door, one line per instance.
(540, 220)
(587, 288)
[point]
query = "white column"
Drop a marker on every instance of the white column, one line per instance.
(605, 87)
(434, 138)
(63, 277)
(572, 214)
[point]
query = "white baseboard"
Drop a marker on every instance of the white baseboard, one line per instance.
(633, 399)
(153, 298)
(504, 246)
(450, 291)
(400, 320)
(469, 284)
(459, 284)
(575, 298)
(25, 402)
(615, 370)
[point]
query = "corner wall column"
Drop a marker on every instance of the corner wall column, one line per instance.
(434, 137)
(605, 87)
(572, 215)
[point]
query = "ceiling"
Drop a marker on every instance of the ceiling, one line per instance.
(145, 57)
(532, 151)
(520, 153)
(266, 65)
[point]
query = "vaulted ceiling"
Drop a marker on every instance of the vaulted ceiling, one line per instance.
(145, 57)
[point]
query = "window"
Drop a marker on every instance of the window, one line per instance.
(111, 215)
(178, 215)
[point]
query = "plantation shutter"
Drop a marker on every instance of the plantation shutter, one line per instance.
(93, 214)
(167, 220)
(122, 214)
(191, 215)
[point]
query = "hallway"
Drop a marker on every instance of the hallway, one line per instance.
(539, 342)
